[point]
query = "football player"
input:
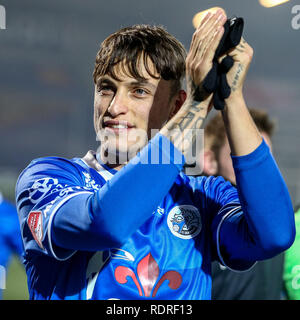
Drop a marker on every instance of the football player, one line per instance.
(125, 222)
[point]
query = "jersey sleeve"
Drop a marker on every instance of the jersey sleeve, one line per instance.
(256, 220)
(42, 188)
(224, 207)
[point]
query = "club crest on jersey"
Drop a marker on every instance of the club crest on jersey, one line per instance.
(184, 221)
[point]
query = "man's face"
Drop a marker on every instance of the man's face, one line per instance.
(225, 168)
(125, 111)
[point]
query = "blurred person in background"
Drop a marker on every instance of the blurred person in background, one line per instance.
(264, 280)
(217, 149)
(10, 237)
(291, 271)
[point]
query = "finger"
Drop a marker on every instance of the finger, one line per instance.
(204, 30)
(204, 44)
(242, 52)
(219, 18)
(212, 47)
(241, 47)
(207, 16)
(220, 59)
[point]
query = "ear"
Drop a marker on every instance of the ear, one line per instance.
(210, 166)
(176, 102)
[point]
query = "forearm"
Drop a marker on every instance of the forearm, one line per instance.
(242, 133)
(190, 117)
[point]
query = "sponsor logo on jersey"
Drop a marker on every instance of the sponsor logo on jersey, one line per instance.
(89, 182)
(35, 224)
(184, 221)
(159, 211)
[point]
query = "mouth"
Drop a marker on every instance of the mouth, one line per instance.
(117, 126)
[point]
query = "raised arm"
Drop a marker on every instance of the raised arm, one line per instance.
(266, 226)
(198, 63)
(242, 133)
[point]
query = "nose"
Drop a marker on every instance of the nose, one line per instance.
(118, 104)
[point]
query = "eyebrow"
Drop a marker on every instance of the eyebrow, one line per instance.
(107, 80)
(104, 80)
(143, 83)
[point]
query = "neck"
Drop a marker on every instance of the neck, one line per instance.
(116, 164)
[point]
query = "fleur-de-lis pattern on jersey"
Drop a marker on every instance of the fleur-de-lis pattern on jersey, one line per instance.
(146, 277)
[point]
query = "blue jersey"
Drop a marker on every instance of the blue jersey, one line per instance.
(91, 232)
(10, 236)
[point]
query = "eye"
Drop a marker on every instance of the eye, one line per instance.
(106, 90)
(140, 92)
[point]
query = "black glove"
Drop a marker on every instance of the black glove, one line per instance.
(215, 81)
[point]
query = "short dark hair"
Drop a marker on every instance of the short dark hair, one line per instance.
(214, 131)
(131, 43)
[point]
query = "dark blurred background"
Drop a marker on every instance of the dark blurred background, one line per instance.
(47, 54)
